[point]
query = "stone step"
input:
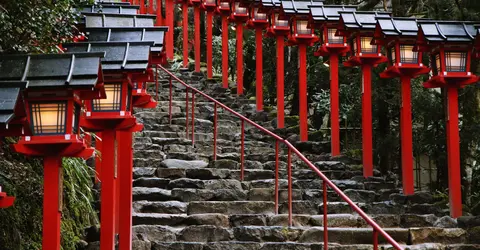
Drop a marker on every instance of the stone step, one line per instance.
(141, 139)
(277, 234)
(236, 245)
(159, 211)
(253, 174)
(187, 189)
(231, 207)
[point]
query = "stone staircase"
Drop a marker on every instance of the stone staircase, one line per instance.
(183, 200)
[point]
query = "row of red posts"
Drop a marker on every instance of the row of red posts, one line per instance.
(53, 97)
(359, 36)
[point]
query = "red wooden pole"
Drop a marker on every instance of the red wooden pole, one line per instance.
(98, 159)
(259, 68)
(117, 196)
(125, 158)
(453, 148)
(209, 45)
(185, 34)
(280, 83)
(334, 105)
(107, 196)
(406, 137)
(197, 38)
(302, 91)
(169, 10)
(142, 7)
(150, 7)
(225, 51)
(367, 120)
(52, 202)
(239, 29)
(158, 12)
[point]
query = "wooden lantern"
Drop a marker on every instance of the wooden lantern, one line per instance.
(450, 45)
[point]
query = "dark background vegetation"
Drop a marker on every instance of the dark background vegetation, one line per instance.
(37, 26)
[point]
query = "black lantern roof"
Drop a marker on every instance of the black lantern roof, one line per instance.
(328, 13)
(129, 34)
(69, 70)
(361, 19)
(109, 8)
(447, 31)
(119, 56)
(9, 96)
(118, 20)
(291, 7)
(397, 26)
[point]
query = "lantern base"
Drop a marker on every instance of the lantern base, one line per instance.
(195, 3)
(143, 100)
(68, 145)
(159, 58)
(183, 1)
(370, 59)
(326, 50)
(295, 39)
(410, 71)
(450, 81)
(146, 76)
(6, 201)
(223, 11)
(209, 7)
(256, 24)
(277, 31)
(108, 121)
(238, 18)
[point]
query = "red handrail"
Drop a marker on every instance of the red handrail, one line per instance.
(291, 149)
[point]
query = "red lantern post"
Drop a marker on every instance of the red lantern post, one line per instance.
(136, 72)
(364, 54)
(108, 119)
(158, 13)
(223, 8)
(258, 21)
(450, 44)
(109, 116)
(398, 36)
(185, 4)
(57, 85)
(196, 14)
(278, 29)
(210, 6)
(239, 16)
(169, 21)
(326, 18)
(302, 36)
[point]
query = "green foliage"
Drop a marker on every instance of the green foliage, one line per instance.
(36, 25)
(78, 212)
